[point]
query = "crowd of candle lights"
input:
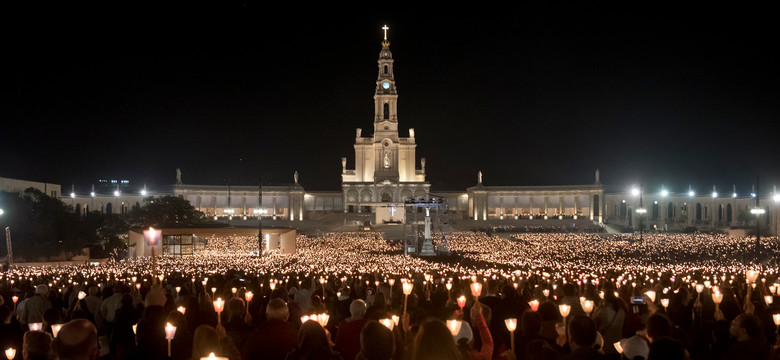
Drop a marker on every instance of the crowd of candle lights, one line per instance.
(344, 266)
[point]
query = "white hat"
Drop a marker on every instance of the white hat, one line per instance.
(635, 346)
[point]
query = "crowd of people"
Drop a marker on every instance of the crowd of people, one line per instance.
(356, 296)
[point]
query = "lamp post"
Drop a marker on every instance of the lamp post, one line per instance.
(641, 211)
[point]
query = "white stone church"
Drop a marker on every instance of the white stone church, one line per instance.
(386, 173)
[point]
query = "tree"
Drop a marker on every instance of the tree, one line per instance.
(166, 211)
(43, 226)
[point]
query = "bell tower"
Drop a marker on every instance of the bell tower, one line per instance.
(385, 95)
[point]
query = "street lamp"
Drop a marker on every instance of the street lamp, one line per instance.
(641, 210)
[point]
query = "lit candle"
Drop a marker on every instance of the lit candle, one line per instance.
(454, 326)
(395, 318)
(768, 299)
(511, 325)
(387, 323)
(462, 302)
(36, 326)
(476, 290)
(219, 305)
(407, 289)
(323, 319)
(182, 309)
(618, 347)
(10, 353)
(55, 328)
(534, 304)
(248, 296)
(170, 332)
(651, 294)
(587, 306)
(564, 309)
(776, 318)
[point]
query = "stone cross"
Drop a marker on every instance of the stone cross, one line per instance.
(385, 28)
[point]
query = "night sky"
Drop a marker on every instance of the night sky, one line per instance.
(652, 93)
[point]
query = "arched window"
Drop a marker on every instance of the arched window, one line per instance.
(78, 209)
(108, 209)
(720, 212)
(595, 205)
(728, 212)
(670, 211)
(698, 212)
(387, 111)
(655, 211)
(385, 69)
(623, 210)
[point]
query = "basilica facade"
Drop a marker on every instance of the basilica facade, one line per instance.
(386, 171)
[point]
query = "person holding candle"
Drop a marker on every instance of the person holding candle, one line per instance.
(121, 338)
(35, 306)
(76, 340)
(582, 334)
(530, 329)
(37, 346)
(377, 342)
(313, 344)
(478, 321)
(150, 330)
(181, 345)
(275, 337)
(750, 340)
(434, 341)
(609, 320)
(235, 324)
(348, 334)
(207, 340)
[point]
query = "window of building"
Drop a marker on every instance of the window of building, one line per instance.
(177, 245)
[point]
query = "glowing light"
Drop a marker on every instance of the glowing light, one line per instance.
(55, 329)
(10, 353)
(714, 194)
(635, 191)
(387, 323)
(454, 326)
(534, 304)
(170, 331)
(182, 310)
(511, 324)
(476, 289)
(564, 309)
(691, 193)
(664, 193)
(36, 326)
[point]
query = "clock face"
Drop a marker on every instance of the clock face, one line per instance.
(386, 85)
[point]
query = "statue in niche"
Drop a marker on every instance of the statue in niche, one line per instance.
(479, 177)
(387, 160)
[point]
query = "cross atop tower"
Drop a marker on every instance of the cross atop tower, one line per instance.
(385, 28)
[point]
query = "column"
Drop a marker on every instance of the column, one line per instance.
(546, 206)
(501, 206)
(517, 210)
(576, 204)
(531, 205)
(273, 199)
(560, 205)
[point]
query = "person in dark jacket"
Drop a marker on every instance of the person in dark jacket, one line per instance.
(274, 338)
